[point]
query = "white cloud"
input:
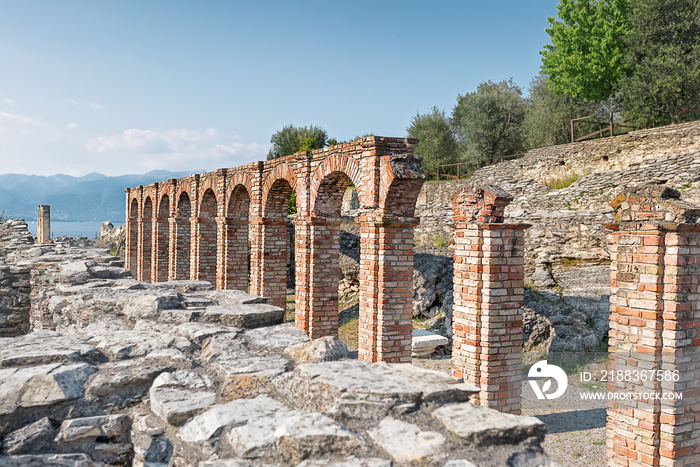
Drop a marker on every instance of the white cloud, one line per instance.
(96, 106)
(71, 102)
(177, 149)
(71, 126)
(13, 122)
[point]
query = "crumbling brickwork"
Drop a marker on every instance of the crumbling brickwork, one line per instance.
(488, 292)
(208, 225)
(655, 315)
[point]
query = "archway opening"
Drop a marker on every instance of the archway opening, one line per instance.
(206, 238)
(163, 239)
(147, 240)
(328, 314)
(183, 232)
(237, 259)
(277, 263)
(133, 236)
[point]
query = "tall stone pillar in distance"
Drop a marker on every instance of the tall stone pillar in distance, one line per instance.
(43, 234)
(654, 338)
(487, 318)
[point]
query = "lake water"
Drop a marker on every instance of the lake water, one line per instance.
(73, 229)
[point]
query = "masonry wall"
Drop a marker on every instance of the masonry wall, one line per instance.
(654, 338)
(208, 213)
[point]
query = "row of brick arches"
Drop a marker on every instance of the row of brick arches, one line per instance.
(229, 227)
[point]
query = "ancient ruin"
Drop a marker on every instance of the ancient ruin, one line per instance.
(200, 227)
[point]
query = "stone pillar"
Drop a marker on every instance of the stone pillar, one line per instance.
(269, 258)
(317, 261)
(654, 321)
(386, 288)
(487, 318)
(43, 233)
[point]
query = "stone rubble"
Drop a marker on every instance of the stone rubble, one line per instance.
(119, 372)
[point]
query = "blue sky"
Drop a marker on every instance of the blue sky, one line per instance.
(130, 86)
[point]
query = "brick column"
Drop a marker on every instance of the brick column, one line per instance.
(488, 293)
(654, 320)
(269, 259)
(386, 288)
(317, 263)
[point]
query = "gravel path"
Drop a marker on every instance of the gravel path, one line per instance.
(576, 427)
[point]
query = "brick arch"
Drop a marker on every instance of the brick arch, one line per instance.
(399, 188)
(182, 186)
(240, 180)
(238, 202)
(208, 182)
(149, 193)
(182, 234)
(163, 211)
(328, 184)
(275, 191)
(208, 204)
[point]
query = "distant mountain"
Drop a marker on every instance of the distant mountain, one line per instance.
(93, 197)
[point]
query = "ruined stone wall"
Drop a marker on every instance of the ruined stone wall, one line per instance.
(14, 279)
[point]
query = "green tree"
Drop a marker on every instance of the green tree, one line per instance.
(548, 115)
(587, 55)
(663, 52)
(291, 139)
(488, 122)
(437, 144)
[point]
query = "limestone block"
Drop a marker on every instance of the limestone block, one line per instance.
(324, 349)
(52, 460)
(293, 436)
(44, 347)
(127, 343)
(176, 406)
(276, 337)
(366, 390)
(199, 332)
(348, 462)
(42, 385)
(34, 437)
(226, 346)
(246, 377)
(208, 424)
(147, 304)
(425, 342)
(101, 426)
(406, 442)
(483, 426)
(243, 316)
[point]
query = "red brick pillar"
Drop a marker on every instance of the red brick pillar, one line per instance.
(654, 320)
(488, 293)
(386, 288)
(269, 259)
(317, 261)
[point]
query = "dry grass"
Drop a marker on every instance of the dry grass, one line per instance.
(564, 180)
